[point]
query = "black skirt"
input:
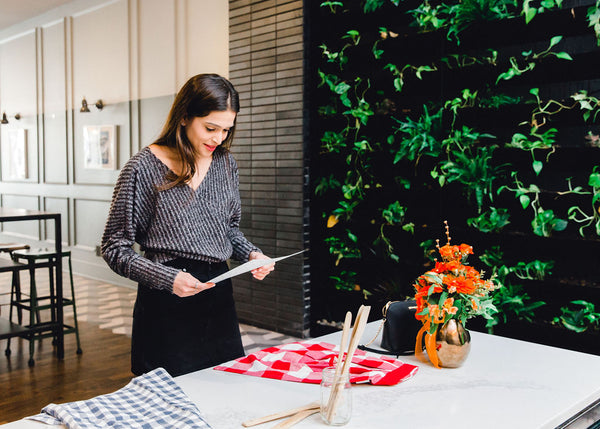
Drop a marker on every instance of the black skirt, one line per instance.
(183, 335)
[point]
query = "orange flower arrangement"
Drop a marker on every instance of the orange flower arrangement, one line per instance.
(451, 290)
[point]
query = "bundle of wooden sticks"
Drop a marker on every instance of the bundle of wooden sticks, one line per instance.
(342, 368)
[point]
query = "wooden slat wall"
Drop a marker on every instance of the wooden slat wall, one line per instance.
(266, 66)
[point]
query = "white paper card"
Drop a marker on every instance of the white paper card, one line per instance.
(249, 266)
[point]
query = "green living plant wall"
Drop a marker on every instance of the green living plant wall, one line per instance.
(395, 144)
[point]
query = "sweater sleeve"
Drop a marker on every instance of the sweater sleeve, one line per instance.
(129, 212)
(241, 246)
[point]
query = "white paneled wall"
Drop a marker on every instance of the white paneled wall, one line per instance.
(131, 54)
(100, 62)
(201, 53)
(156, 49)
(18, 96)
(54, 103)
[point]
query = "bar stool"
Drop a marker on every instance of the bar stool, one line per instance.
(10, 329)
(8, 265)
(43, 258)
(15, 283)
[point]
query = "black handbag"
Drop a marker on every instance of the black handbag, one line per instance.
(400, 328)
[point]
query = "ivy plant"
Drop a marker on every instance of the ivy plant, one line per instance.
(579, 319)
(367, 145)
(591, 218)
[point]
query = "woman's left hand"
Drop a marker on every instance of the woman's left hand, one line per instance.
(262, 272)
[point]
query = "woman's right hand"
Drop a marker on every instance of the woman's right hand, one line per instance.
(186, 284)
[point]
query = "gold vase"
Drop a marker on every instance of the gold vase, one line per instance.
(453, 343)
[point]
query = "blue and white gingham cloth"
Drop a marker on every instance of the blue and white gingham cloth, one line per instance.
(152, 400)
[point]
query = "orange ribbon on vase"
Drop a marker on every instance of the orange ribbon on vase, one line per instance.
(430, 345)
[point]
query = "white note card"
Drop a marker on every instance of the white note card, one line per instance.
(249, 266)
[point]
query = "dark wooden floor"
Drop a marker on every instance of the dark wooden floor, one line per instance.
(102, 368)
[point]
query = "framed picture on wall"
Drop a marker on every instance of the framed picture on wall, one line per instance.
(16, 153)
(99, 147)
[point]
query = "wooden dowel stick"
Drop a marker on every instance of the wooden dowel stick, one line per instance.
(260, 420)
(295, 419)
(356, 335)
(343, 343)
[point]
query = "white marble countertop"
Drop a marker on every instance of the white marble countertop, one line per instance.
(504, 383)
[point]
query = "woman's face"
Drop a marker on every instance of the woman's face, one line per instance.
(206, 133)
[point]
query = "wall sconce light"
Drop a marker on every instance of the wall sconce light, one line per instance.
(5, 119)
(84, 105)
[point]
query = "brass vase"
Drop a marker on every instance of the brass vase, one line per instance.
(453, 343)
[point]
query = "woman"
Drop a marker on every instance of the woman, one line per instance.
(179, 200)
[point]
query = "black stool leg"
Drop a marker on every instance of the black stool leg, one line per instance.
(15, 294)
(53, 300)
(16, 285)
(34, 311)
(79, 351)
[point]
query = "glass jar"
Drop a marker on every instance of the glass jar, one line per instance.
(336, 398)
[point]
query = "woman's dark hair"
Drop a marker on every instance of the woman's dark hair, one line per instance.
(198, 97)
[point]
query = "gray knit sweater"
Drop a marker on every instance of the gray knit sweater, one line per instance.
(178, 222)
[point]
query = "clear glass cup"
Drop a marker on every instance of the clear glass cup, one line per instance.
(336, 398)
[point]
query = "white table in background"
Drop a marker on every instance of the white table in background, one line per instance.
(504, 383)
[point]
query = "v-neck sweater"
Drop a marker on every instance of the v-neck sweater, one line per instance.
(200, 224)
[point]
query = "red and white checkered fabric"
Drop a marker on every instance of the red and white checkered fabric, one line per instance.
(303, 362)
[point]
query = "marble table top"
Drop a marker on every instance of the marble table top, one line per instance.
(504, 383)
